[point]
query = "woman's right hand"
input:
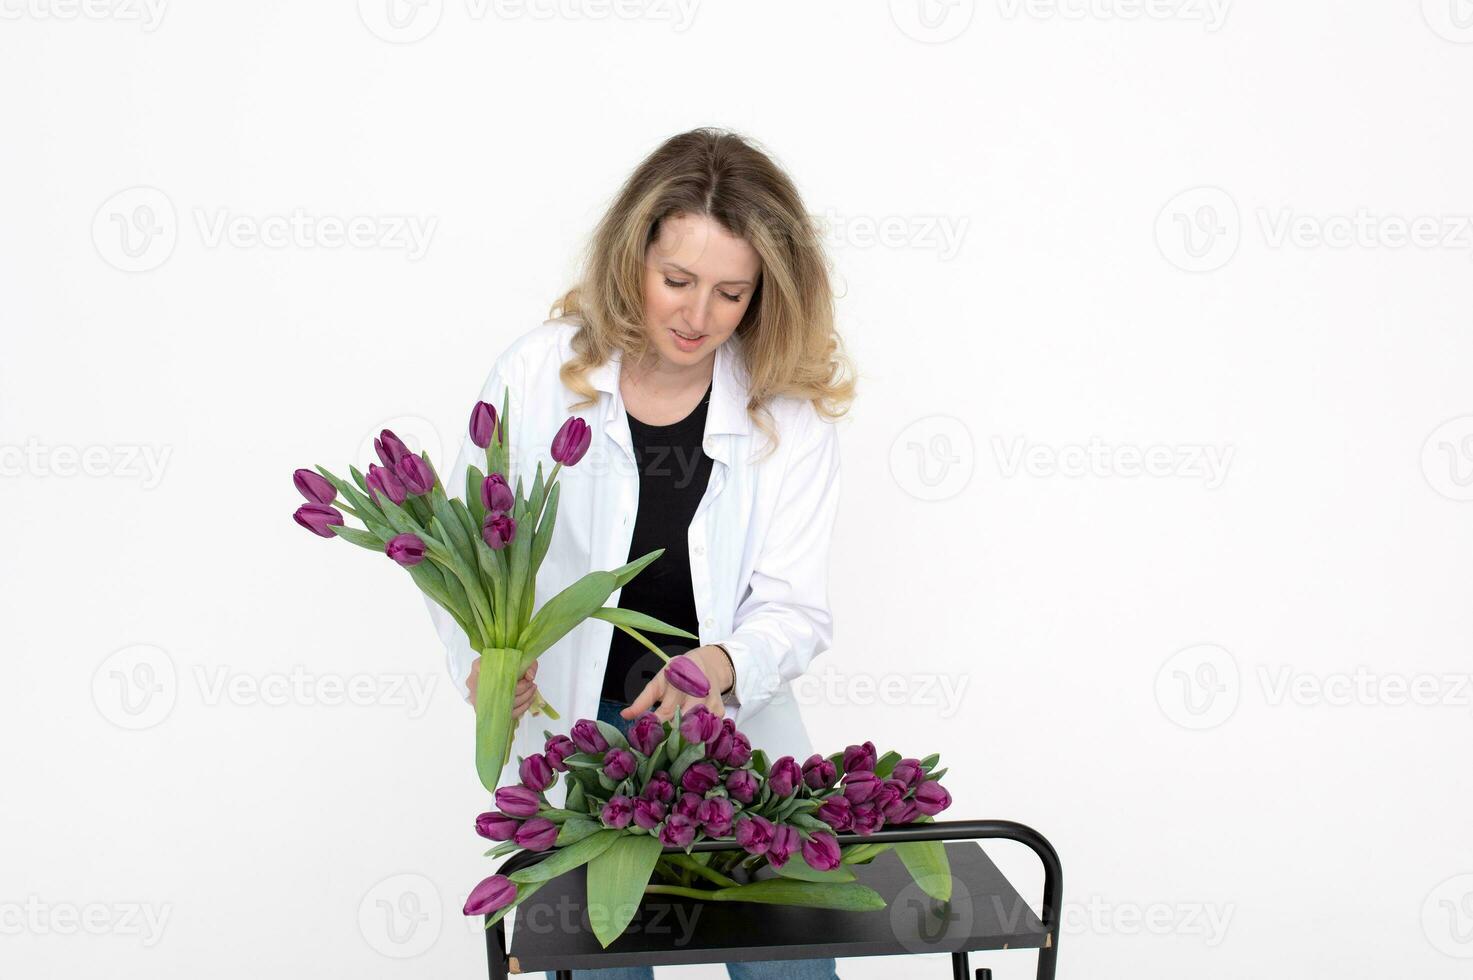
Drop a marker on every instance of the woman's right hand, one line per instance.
(526, 689)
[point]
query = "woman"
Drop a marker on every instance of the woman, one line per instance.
(700, 348)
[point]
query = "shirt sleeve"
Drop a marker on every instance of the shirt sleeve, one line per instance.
(459, 653)
(783, 621)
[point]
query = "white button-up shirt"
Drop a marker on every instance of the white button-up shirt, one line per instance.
(759, 541)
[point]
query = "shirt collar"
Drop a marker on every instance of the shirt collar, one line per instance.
(727, 412)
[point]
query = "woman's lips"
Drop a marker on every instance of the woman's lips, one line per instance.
(687, 344)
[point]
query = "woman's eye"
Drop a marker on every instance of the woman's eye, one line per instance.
(672, 282)
(734, 299)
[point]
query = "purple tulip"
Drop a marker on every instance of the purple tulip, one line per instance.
(741, 751)
(908, 771)
(894, 810)
(647, 733)
(684, 675)
(866, 819)
(496, 826)
(390, 448)
(715, 815)
(498, 530)
(931, 797)
(483, 424)
(571, 441)
(819, 773)
(754, 833)
(387, 482)
(678, 830)
(700, 778)
(905, 812)
(860, 757)
(588, 738)
(836, 812)
(889, 792)
(619, 764)
(491, 895)
(617, 813)
(557, 749)
(537, 834)
(821, 851)
(536, 772)
(319, 519)
(659, 787)
(701, 725)
(860, 785)
(687, 805)
(784, 776)
(785, 841)
(720, 746)
(314, 486)
(742, 785)
(496, 496)
(518, 801)
(648, 813)
(415, 474)
(406, 549)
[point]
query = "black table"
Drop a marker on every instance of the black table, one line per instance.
(552, 931)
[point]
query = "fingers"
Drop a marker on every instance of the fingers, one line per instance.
(654, 690)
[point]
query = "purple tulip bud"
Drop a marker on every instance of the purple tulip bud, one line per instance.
(498, 530)
(588, 738)
(836, 812)
(483, 424)
(889, 792)
(741, 751)
(314, 486)
(819, 773)
(785, 841)
(415, 474)
(390, 448)
(931, 797)
(866, 819)
(905, 812)
(491, 895)
(721, 746)
(700, 777)
(714, 816)
(821, 851)
(894, 809)
(647, 733)
(860, 785)
(617, 813)
(319, 519)
(659, 787)
(496, 496)
(518, 801)
(685, 675)
(619, 764)
(678, 830)
(742, 785)
(557, 749)
(784, 776)
(537, 834)
(908, 771)
(688, 804)
(387, 482)
(536, 772)
(860, 757)
(571, 441)
(648, 813)
(754, 833)
(406, 549)
(496, 826)
(701, 725)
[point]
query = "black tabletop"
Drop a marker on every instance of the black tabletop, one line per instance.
(551, 930)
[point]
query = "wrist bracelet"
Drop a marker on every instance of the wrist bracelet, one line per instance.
(730, 664)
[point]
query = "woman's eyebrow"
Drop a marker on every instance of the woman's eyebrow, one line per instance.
(724, 282)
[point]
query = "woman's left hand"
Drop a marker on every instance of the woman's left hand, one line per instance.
(713, 664)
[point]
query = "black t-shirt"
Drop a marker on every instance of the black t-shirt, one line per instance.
(673, 472)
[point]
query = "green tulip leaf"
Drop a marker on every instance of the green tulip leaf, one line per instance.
(565, 859)
(928, 866)
(846, 896)
(616, 883)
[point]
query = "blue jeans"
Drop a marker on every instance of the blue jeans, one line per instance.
(820, 969)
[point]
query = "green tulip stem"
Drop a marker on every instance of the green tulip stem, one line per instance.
(701, 894)
(546, 492)
(692, 865)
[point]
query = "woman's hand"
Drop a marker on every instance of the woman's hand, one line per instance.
(713, 664)
(525, 693)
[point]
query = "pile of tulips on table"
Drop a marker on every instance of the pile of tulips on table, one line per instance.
(696, 777)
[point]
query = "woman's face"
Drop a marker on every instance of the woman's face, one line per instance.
(698, 280)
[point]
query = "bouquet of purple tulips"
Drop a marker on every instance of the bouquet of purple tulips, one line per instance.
(670, 784)
(478, 558)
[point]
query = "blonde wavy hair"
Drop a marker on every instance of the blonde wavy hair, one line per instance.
(789, 340)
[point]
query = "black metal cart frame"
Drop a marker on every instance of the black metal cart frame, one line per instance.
(1041, 932)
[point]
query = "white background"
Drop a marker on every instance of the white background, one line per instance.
(1066, 236)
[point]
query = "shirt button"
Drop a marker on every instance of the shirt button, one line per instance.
(698, 550)
(709, 623)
